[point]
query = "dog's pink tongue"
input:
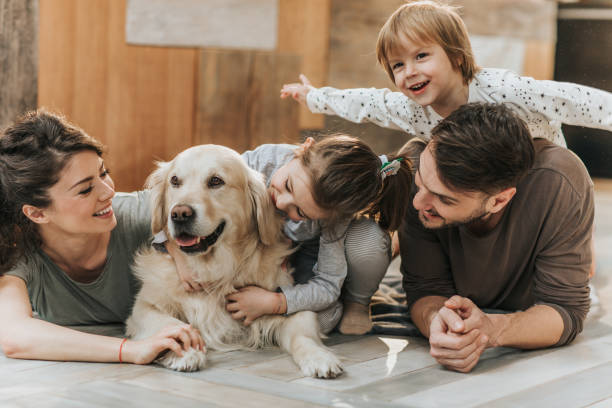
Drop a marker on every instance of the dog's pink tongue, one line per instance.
(186, 240)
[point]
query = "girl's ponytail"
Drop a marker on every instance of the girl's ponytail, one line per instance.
(390, 205)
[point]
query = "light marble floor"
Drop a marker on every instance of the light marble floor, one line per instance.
(379, 370)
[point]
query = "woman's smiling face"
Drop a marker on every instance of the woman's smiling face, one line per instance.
(81, 201)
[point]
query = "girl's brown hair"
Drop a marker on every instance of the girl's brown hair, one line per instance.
(347, 180)
(427, 21)
(33, 152)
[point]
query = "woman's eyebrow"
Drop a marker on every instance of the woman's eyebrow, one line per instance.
(86, 179)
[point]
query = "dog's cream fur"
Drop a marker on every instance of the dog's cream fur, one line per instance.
(249, 251)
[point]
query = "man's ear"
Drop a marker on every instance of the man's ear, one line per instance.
(34, 214)
(501, 199)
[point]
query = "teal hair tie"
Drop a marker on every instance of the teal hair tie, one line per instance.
(385, 164)
(390, 168)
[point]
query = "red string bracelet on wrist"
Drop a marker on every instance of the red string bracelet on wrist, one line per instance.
(120, 348)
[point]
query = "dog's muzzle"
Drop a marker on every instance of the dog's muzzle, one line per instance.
(193, 244)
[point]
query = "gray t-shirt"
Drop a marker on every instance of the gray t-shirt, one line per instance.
(323, 289)
(538, 253)
(60, 300)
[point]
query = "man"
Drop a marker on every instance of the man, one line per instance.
(499, 221)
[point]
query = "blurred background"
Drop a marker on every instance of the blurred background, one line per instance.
(151, 77)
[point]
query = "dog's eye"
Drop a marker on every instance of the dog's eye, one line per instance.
(215, 181)
(175, 181)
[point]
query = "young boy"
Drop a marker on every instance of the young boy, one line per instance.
(425, 49)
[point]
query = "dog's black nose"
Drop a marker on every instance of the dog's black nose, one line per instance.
(181, 213)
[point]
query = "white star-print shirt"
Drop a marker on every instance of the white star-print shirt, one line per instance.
(543, 105)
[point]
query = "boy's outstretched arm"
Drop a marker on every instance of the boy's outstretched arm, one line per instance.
(296, 90)
(382, 107)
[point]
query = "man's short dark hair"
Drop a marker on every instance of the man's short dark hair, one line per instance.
(482, 147)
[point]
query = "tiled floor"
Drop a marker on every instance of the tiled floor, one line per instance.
(380, 371)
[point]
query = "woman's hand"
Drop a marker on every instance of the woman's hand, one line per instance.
(296, 90)
(176, 338)
(251, 302)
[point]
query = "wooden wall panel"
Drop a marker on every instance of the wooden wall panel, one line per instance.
(238, 103)
(532, 21)
(18, 58)
(539, 59)
(248, 24)
(354, 30)
(139, 101)
(303, 29)
(352, 63)
(527, 19)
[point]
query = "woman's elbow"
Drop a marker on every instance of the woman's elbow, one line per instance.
(12, 344)
(11, 348)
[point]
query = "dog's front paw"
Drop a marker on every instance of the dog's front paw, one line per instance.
(192, 360)
(321, 363)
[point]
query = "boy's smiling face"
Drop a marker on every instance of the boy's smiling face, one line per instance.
(424, 73)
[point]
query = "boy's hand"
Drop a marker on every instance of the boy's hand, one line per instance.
(251, 302)
(296, 90)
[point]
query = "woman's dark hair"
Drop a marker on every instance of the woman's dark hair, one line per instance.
(33, 152)
(347, 180)
(482, 147)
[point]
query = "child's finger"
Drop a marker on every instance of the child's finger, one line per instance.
(239, 315)
(232, 307)
(304, 80)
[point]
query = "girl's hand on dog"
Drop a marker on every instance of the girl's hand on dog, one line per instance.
(251, 302)
(176, 338)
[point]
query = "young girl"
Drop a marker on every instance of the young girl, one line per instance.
(425, 49)
(320, 187)
(66, 243)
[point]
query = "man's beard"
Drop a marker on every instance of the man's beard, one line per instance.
(476, 216)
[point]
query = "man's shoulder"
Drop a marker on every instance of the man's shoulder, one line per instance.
(559, 165)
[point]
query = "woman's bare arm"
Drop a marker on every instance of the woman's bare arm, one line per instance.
(23, 336)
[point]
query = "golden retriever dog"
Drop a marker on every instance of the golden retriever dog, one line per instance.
(218, 212)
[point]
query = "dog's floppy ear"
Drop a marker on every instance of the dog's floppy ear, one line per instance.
(263, 209)
(156, 182)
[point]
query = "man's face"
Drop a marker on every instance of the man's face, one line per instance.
(438, 206)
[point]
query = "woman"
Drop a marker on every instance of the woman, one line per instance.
(66, 243)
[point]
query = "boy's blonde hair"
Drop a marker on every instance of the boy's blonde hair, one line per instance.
(428, 21)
